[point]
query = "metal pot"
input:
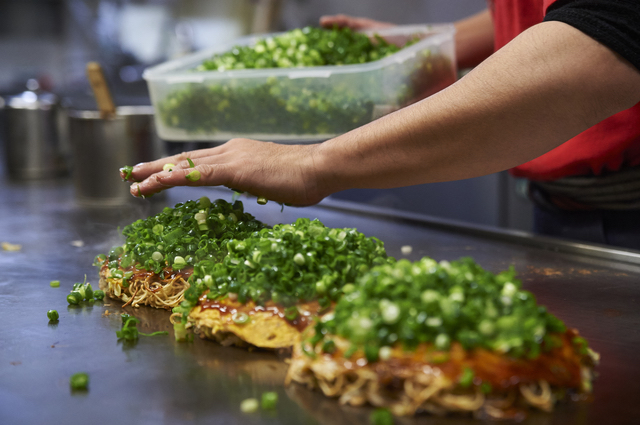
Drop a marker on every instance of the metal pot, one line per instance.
(33, 148)
(102, 146)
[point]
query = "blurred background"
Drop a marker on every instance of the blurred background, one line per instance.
(49, 42)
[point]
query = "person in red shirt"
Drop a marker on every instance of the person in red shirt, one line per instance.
(553, 96)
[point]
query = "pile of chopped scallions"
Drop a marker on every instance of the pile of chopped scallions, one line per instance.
(409, 303)
(180, 237)
(288, 264)
(308, 46)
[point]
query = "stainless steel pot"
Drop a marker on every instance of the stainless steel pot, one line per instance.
(102, 146)
(33, 149)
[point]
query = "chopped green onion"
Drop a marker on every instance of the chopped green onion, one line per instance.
(99, 259)
(298, 259)
(53, 315)
(385, 353)
(98, 294)
(191, 164)
(126, 170)
(240, 318)
(350, 351)
(168, 166)
(390, 312)
(466, 379)
(381, 416)
(262, 200)
(54, 283)
(329, 347)
(249, 405)
(79, 381)
(291, 313)
(193, 176)
(180, 331)
(371, 352)
(129, 330)
(204, 202)
(269, 400)
(88, 292)
(74, 298)
(154, 333)
(442, 342)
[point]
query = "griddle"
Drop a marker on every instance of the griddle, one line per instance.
(160, 381)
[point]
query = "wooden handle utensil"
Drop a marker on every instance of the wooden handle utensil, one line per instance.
(100, 90)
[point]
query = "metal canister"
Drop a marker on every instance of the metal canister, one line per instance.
(102, 146)
(33, 148)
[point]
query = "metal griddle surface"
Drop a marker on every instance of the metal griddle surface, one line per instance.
(159, 381)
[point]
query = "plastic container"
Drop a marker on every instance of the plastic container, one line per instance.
(297, 105)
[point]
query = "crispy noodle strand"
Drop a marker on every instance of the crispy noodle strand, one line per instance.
(538, 395)
(421, 389)
(147, 291)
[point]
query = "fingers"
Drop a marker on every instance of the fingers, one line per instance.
(341, 21)
(201, 175)
(329, 21)
(145, 169)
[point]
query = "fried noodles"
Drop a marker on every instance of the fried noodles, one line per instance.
(416, 388)
(148, 289)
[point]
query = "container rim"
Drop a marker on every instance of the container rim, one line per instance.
(121, 112)
(173, 72)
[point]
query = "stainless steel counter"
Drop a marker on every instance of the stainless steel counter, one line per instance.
(159, 381)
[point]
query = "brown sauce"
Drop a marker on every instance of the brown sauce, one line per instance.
(141, 274)
(559, 367)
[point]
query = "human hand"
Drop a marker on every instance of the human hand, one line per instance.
(354, 23)
(282, 173)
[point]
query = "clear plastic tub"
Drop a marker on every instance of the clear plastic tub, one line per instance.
(297, 105)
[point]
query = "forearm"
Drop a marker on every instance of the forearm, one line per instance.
(474, 39)
(549, 84)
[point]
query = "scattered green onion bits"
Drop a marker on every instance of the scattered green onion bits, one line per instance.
(249, 405)
(129, 331)
(54, 283)
(53, 315)
(269, 400)
(180, 237)
(79, 381)
(126, 171)
(303, 47)
(289, 263)
(409, 303)
(74, 298)
(381, 416)
(84, 292)
(193, 176)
